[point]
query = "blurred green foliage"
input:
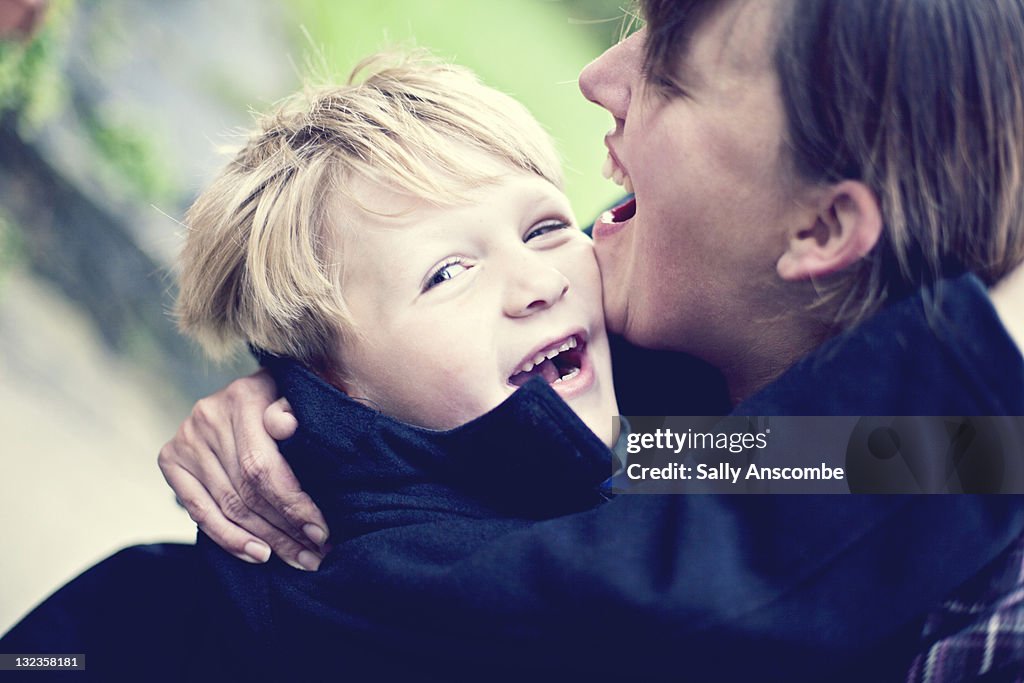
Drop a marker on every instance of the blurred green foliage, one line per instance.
(531, 49)
(12, 247)
(132, 156)
(32, 86)
(34, 89)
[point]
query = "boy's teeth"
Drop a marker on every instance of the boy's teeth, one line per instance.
(568, 344)
(572, 373)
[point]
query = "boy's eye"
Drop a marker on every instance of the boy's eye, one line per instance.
(447, 271)
(546, 227)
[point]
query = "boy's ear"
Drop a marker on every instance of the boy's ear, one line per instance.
(846, 227)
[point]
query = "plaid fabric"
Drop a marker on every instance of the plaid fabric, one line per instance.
(979, 634)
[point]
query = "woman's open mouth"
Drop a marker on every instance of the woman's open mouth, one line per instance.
(614, 220)
(563, 365)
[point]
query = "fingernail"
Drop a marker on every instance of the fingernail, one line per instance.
(309, 561)
(315, 534)
(259, 552)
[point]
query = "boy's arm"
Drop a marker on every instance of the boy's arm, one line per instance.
(227, 472)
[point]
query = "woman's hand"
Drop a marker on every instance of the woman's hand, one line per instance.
(226, 471)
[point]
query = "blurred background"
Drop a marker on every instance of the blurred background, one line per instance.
(113, 114)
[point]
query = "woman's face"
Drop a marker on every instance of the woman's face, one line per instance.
(456, 307)
(693, 261)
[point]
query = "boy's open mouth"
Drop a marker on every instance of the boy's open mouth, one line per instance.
(555, 364)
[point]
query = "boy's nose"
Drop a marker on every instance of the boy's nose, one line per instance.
(534, 289)
(607, 81)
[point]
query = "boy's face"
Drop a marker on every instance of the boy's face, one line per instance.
(453, 304)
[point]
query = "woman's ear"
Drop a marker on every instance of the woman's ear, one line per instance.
(845, 228)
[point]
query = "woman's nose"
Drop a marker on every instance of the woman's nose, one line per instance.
(607, 81)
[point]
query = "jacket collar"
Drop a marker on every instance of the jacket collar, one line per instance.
(531, 457)
(941, 350)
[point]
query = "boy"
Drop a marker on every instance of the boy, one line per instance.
(404, 236)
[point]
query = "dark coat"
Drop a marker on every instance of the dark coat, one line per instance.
(488, 553)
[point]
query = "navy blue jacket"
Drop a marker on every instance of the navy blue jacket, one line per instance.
(487, 553)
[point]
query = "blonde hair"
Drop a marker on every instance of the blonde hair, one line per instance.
(258, 263)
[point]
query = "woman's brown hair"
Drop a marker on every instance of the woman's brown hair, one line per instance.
(921, 100)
